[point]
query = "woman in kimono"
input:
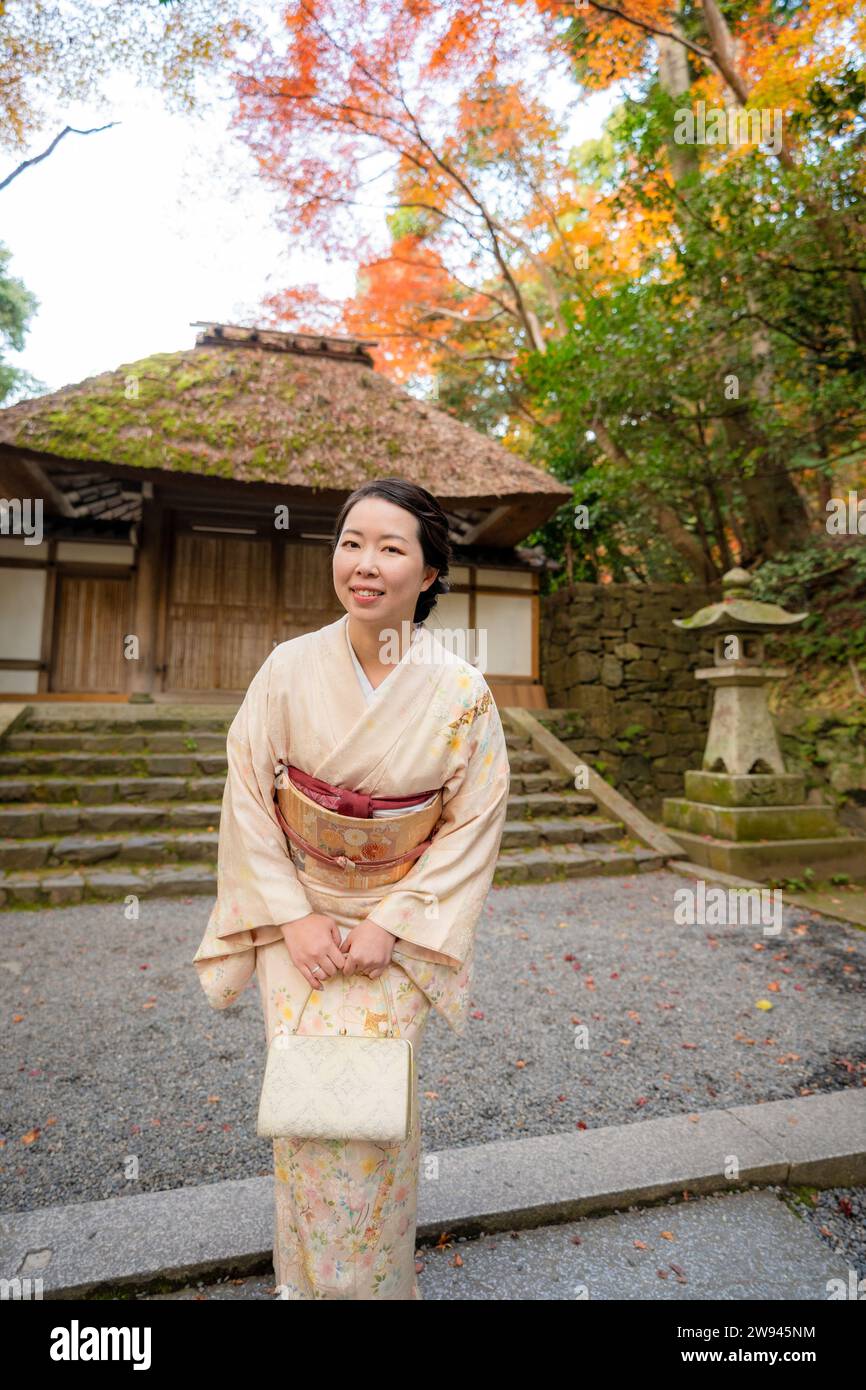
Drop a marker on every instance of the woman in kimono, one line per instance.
(363, 716)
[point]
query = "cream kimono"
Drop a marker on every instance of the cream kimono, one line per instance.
(346, 1210)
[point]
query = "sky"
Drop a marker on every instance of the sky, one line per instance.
(128, 236)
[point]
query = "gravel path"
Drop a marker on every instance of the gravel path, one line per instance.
(114, 1058)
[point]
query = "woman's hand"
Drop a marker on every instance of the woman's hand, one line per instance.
(314, 941)
(367, 949)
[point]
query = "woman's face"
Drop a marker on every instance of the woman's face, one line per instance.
(379, 549)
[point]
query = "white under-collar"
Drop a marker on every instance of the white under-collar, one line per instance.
(370, 690)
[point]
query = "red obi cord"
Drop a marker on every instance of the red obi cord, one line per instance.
(349, 803)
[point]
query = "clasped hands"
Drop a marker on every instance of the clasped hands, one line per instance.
(315, 941)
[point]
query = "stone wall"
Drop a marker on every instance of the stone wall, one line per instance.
(829, 748)
(620, 683)
(621, 686)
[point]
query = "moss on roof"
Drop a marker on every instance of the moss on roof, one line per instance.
(257, 415)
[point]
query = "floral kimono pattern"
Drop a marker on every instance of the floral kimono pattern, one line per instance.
(345, 1210)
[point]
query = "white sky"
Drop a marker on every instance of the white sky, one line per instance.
(127, 236)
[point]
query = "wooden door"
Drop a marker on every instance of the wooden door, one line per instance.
(220, 611)
(307, 590)
(92, 619)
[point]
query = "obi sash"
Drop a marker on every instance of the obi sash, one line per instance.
(355, 851)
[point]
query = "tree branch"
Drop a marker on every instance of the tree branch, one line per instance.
(37, 159)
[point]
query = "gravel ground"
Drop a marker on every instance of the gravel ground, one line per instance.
(113, 1054)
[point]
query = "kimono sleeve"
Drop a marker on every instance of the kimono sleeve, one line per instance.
(436, 905)
(257, 885)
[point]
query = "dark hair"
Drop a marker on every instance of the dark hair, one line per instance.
(432, 530)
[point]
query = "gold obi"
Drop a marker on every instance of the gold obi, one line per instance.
(367, 841)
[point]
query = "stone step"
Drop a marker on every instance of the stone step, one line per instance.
(99, 791)
(776, 860)
(70, 851)
(53, 888)
(74, 764)
(564, 803)
(66, 818)
(542, 864)
(522, 760)
(53, 837)
(144, 761)
(50, 720)
(180, 741)
(46, 731)
(36, 888)
(73, 786)
(524, 834)
(547, 781)
(31, 820)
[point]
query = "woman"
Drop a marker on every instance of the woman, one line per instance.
(368, 709)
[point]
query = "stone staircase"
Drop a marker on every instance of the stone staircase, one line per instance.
(110, 801)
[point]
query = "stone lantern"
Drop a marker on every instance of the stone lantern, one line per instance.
(742, 812)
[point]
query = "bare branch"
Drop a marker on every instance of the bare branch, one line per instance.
(37, 159)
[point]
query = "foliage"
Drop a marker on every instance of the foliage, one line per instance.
(56, 53)
(829, 581)
(676, 328)
(17, 306)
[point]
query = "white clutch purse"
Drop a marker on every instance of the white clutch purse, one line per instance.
(338, 1087)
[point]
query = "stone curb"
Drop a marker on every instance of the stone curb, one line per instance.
(684, 867)
(163, 1239)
